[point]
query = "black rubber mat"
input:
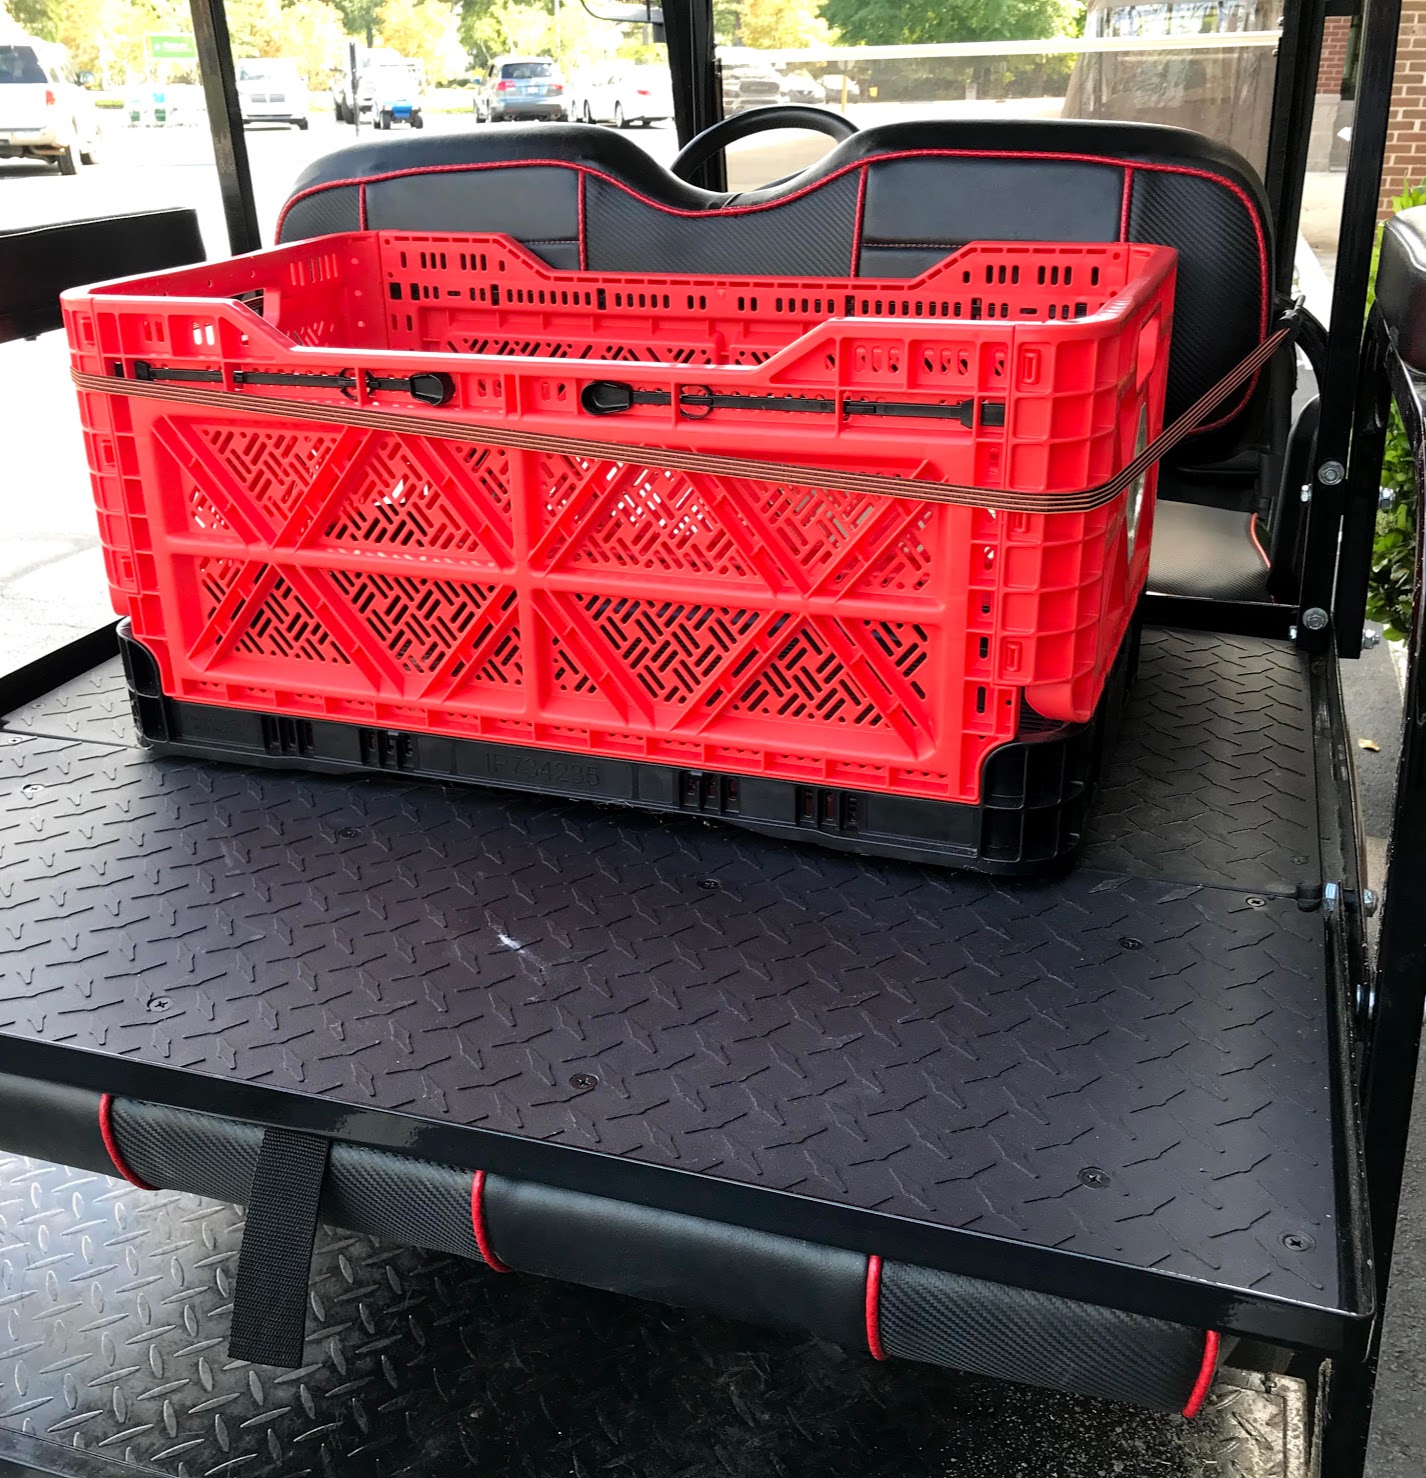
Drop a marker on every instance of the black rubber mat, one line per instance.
(902, 1042)
(1212, 777)
(116, 1305)
(1211, 780)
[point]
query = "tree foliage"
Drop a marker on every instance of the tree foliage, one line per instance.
(424, 30)
(769, 24)
(308, 31)
(1391, 586)
(489, 28)
(922, 22)
(359, 18)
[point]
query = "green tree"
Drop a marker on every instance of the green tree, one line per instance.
(40, 18)
(425, 31)
(924, 22)
(527, 27)
(770, 24)
(308, 31)
(359, 18)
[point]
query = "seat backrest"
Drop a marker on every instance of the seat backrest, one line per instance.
(887, 202)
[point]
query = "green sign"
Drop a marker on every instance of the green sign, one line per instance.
(171, 48)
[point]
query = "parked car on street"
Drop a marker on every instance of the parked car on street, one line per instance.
(45, 111)
(750, 84)
(514, 87)
(802, 87)
(833, 86)
(272, 90)
(623, 96)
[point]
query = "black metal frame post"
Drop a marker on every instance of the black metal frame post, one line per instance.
(1382, 20)
(693, 70)
(1394, 1011)
(225, 121)
(1294, 94)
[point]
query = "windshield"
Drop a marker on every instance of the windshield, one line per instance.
(19, 64)
(519, 70)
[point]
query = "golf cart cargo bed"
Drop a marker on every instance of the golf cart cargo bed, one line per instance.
(1119, 1086)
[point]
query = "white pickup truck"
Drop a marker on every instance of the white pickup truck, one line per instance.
(45, 111)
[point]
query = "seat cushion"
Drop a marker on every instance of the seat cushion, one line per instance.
(887, 202)
(1211, 553)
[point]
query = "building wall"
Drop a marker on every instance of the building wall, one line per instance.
(1333, 65)
(1405, 162)
(1330, 111)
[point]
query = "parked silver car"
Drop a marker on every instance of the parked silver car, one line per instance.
(515, 87)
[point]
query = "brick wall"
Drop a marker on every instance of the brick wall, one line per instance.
(1405, 161)
(1333, 65)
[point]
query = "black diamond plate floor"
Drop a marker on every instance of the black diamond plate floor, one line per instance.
(1211, 781)
(448, 970)
(114, 1310)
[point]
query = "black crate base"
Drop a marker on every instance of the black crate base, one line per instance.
(1036, 790)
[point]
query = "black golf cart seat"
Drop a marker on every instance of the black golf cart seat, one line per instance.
(890, 202)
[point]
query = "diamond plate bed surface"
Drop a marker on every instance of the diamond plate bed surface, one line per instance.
(1212, 779)
(1210, 782)
(116, 1306)
(902, 1041)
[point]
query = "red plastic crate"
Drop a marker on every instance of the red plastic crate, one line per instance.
(610, 605)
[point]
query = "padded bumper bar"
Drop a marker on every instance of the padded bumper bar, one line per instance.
(890, 1309)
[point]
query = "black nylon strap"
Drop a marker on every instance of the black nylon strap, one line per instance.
(275, 1266)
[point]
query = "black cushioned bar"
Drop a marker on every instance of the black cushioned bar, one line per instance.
(411, 1201)
(673, 1259)
(1019, 1335)
(936, 1317)
(49, 1121)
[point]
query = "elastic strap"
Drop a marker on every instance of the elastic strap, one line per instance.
(876, 484)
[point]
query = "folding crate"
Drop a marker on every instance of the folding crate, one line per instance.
(418, 502)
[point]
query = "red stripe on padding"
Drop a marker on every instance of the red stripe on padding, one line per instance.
(1205, 1374)
(477, 1222)
(111, 1144)
(873, 1309)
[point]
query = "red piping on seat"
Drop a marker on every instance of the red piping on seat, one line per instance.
(862, 164)
(583, 252)
(1205, 1374)
(873, 1308)
(477, 1223)
(1126, 203)
(111, 1144)
(857, 223)
(1253, 535)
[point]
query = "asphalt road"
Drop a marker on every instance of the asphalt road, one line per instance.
(148, 168)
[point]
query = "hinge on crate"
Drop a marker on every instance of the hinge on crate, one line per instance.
(428, 387)
(695, 402)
